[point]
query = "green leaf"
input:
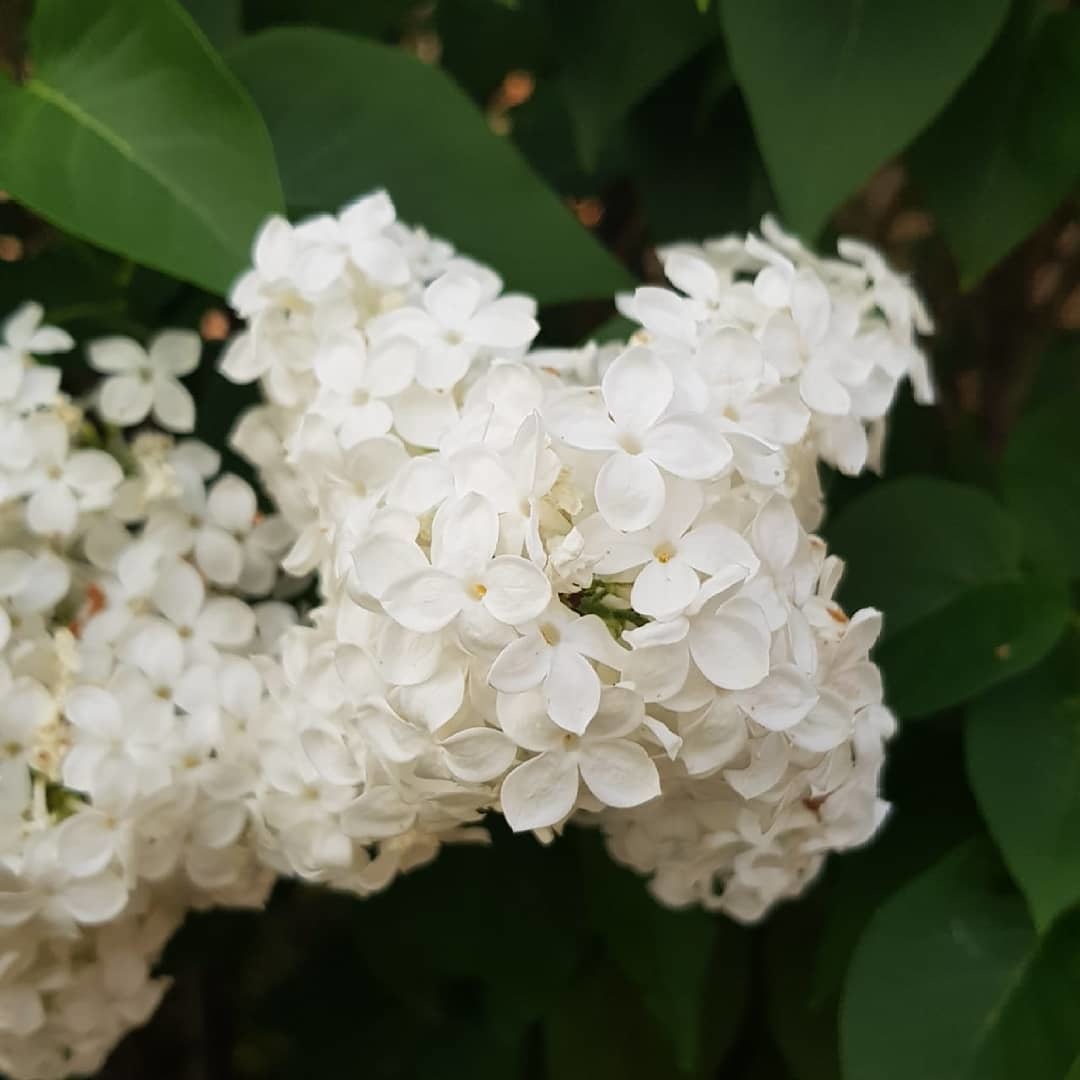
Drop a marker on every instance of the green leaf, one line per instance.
(1023, 758)
(614, 53)
(219, 20)
(950, 982)
(487, 898)
(384, 19)
(837, 87)
(1040, 481)
(801, 1007)
(698, 169)
(1007, 150)
(944, 563)
(132, 133)
(808, 946)
(917, 543)
(599, 1028)
(667, 955)
(403, 125)
(483, 40)
(981, 638)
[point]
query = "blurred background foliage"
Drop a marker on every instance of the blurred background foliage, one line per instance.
(142, 141)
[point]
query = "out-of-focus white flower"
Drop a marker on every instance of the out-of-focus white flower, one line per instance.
(143, 382)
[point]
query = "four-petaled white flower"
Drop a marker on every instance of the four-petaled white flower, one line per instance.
(142, 381)
(24, 338)
(65, 483)
(555, 651)
(465, 574)
(628, 420)
(543, 790)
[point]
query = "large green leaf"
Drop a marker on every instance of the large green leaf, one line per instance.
(983, 637)
(950, 982)
(917, 543)
(1040, 481)
(838, 86)
(944, 563)
(348, 115)
(612, 54)
(1023, 753)
(1007, 150)
(132, 133)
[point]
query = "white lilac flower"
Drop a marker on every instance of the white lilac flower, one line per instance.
(628, 420)
(143, 382)
(616, 769)
(24, 337)
(64, 482)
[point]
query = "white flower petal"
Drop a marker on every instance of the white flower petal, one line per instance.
(637, 388)
(524, 718)
(464, 533)
(94, 711)
(433, 702)
(219, 555)
(689, 446)
(572, 689)
(176, 351)
(174, 407)
(619, 772)
(424, 601)
(629, 492)
(224, 620)
(125, 399)
(810, 305)
(330, 757)
(404, 657)
(477, 755)
(452, 299)
(782, 699)
(691, 274)
(422, 417)
(86, 843)
(516, 589)
(827, 725)
(732, 652)
(621, 713)
(580, 417)
(231, 503)
(768, 763)
(95, 900)
(664, 589)
(522, 665)
(115, 355)
(822, 392)
(776, 532)
(502, 325)
(179, 593)
(540, 792)
(712, 548)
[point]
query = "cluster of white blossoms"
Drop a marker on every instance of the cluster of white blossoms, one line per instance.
(131, 691)
(557, 585)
